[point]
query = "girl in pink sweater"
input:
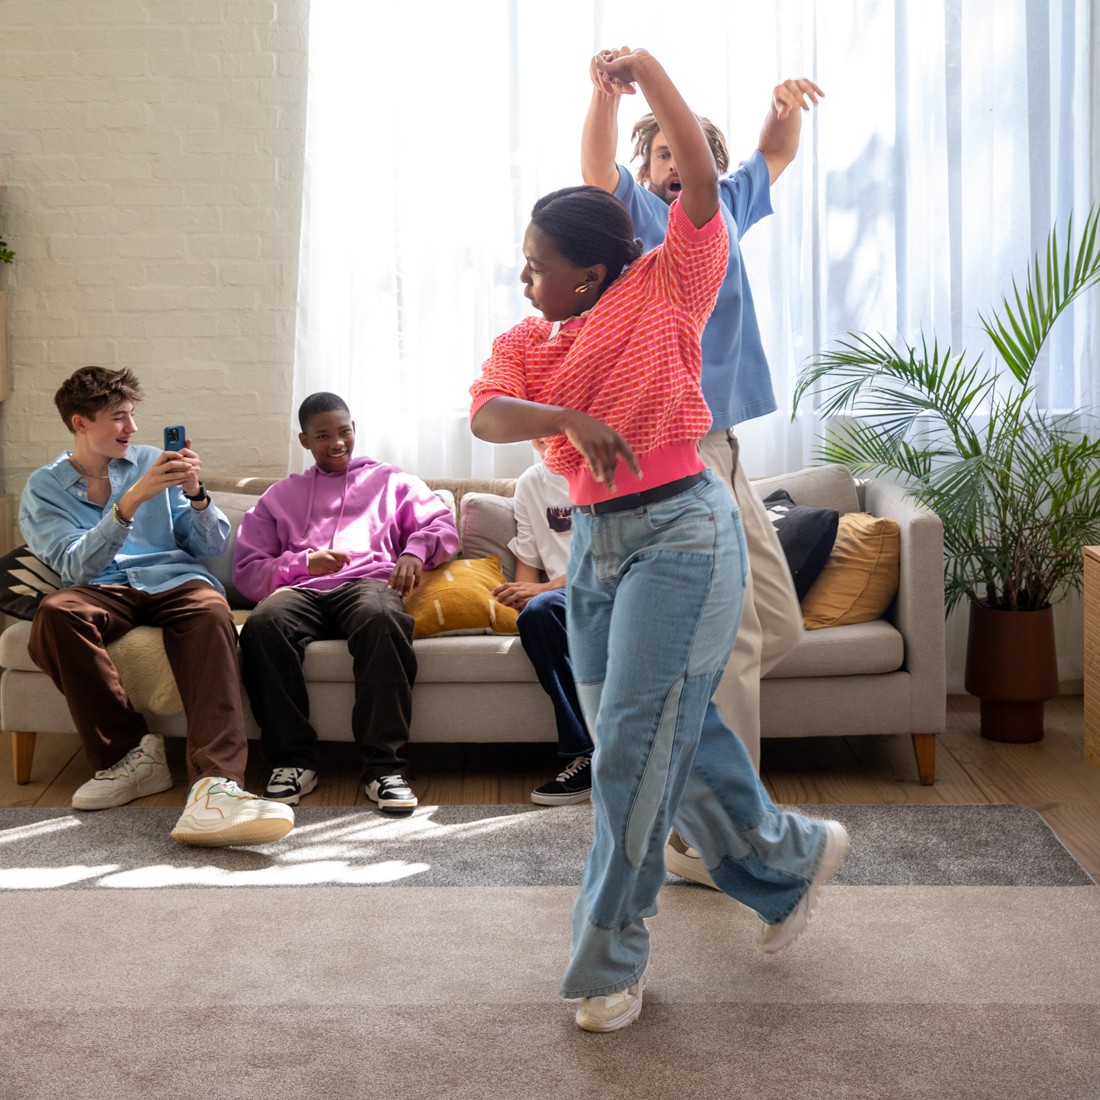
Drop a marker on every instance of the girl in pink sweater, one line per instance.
(610, 377)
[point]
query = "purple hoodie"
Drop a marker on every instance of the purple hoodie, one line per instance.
(373, 512)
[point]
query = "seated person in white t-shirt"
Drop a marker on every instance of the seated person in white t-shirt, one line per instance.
(544, 524)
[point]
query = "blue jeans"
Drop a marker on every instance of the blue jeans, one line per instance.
(542, 631)
(654, 597)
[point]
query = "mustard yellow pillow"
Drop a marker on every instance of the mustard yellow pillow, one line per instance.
(860, 579)
(456, 599)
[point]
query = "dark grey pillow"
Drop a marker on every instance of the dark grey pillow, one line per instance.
(806, 535)
(24, 580)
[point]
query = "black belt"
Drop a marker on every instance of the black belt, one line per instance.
(630, 501)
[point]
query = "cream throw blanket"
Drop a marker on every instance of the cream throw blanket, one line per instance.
(145, 672)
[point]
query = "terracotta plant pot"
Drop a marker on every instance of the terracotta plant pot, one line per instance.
(1012, 667)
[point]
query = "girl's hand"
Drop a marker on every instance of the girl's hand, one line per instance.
(602, 81)
(617, 67)
(601, 446)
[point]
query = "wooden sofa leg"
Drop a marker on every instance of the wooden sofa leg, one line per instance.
(22, 753)
(924, 748)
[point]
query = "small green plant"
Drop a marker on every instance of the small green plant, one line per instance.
(6, 254)
(1016, 486)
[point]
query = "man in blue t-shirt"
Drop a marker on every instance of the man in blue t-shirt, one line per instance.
(736, 381)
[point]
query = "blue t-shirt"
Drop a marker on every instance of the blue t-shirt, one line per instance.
(736, 381)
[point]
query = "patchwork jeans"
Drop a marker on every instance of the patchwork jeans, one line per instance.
(654, 598)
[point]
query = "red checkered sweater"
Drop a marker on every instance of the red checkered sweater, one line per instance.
(633, 361)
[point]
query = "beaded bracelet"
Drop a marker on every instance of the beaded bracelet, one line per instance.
(120, 519)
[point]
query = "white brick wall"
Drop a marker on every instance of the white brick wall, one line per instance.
(152, 151)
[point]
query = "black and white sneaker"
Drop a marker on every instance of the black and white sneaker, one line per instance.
(287, 785)
(392, 793)
(572, 785)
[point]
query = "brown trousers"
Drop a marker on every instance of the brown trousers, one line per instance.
(69, 637)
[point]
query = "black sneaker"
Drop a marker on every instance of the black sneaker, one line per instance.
(392, 794)
(572, 785)
(287, 785)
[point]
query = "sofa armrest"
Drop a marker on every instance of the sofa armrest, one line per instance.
(917, 611)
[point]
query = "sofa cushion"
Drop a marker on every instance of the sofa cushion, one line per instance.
(13, 648)
(139, 656)
(488, 525)
(816, 487)
(234, 505)
(861, 577)
(24, 580)
(805, 534)
(862, 649)
(457, 598)
(493, 658)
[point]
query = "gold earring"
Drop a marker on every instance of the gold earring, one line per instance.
(580, 289)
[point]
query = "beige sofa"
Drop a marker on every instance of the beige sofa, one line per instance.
(885, 676)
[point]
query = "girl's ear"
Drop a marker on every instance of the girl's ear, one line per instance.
(596, 275)
(79, 424)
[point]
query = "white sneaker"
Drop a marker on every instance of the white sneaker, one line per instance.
(685, 861)
(288, 785)
(141, 771)
(219, 813)
(612, 1011)
(392, 793)
(771, 938)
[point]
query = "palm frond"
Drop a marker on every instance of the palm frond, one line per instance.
(1017, 489)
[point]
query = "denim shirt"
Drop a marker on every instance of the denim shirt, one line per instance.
(81, 541)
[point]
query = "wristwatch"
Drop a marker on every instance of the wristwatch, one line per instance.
(200, 496)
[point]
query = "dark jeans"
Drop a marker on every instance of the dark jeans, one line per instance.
(372, 617)
(542, 632)
(69, 637)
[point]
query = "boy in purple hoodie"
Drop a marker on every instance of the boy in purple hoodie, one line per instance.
(330, 553)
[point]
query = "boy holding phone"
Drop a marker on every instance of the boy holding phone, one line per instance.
(125, 526)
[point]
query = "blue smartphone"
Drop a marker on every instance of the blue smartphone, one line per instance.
(175, 437)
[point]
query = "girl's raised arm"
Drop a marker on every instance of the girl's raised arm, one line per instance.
(686, 140)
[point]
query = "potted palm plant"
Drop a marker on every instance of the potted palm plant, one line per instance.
(1016, 486)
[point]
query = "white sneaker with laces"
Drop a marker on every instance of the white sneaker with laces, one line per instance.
(771, 938)
(141, 771)
(392, 794)
(287, 785)
(219, 813)
(611, 1011)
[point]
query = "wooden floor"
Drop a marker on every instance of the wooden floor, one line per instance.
(1052, 776)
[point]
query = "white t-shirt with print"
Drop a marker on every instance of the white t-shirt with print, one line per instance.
(544, 521)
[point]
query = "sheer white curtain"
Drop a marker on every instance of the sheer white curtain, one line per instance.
(952, 135)
(432, 129)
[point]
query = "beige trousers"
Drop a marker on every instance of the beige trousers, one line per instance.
(771, 621)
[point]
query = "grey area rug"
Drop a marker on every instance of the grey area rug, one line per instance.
(496, 846)
(957, 954)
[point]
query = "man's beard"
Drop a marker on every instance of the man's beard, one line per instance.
(663, 193)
